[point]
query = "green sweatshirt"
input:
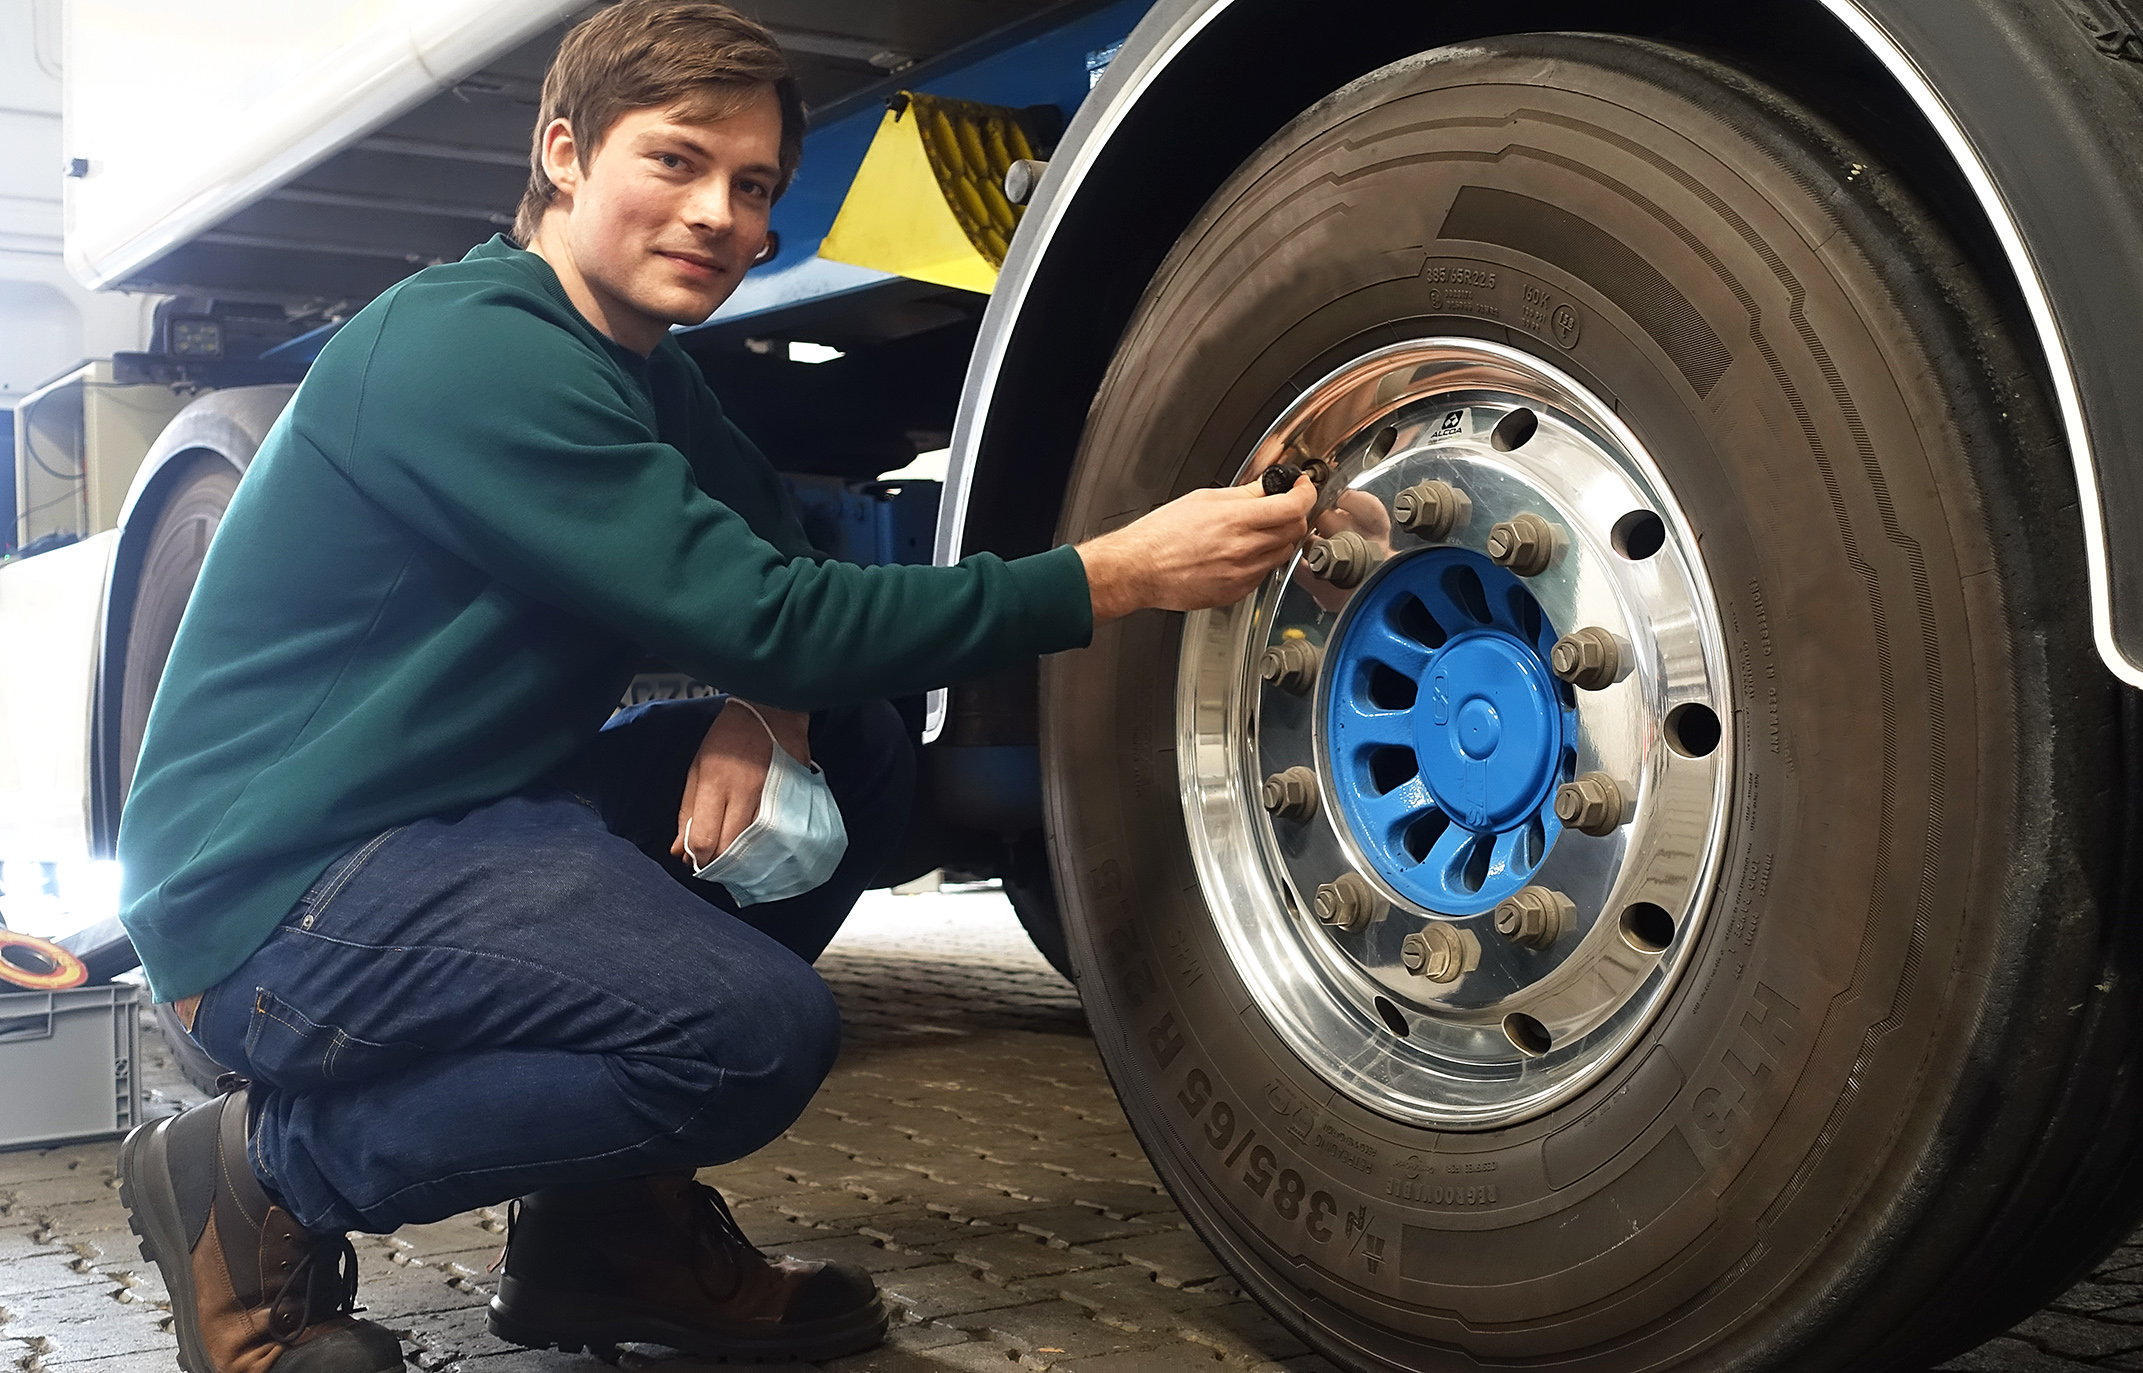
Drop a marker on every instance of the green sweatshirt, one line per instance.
(435, 582)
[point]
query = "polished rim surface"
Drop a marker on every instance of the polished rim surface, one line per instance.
(1456, 780)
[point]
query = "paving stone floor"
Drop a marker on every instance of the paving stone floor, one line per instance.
(967, 1149)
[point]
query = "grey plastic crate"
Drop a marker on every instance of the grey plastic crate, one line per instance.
(67, 1064)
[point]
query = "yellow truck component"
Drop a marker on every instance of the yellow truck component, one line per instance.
(929, 200)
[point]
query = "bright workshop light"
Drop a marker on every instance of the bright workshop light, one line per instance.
(812, 352)
(54, 900)
(926, 467)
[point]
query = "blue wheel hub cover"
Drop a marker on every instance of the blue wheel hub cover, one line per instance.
(1446, 732)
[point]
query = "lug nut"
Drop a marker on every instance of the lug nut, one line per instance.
(1588, 658)
(1291, 795)
(1593, 804)
(1440, 952)
(1349, 902)
(1291, 665)
(1535, 917)
(1432, 509)
(1524, 543)
(1343, 560)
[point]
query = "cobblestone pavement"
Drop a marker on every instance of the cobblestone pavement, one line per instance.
(967, 1150)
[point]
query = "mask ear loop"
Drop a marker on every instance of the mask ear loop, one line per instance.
(691, 857)
(738, 700)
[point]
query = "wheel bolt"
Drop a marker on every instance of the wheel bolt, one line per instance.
(1291, 665)
(1349, 902)
(1291, 795)
(1343, 560)
(1593, 804)
(1432, 509)
(1588, 658)
(1524, 543)
(1440, 952)
(1535, 917)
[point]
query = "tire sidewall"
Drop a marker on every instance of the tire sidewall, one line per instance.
(198, 495)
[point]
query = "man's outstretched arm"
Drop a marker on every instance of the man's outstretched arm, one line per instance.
(1208, 548)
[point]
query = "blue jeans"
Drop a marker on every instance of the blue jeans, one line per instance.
(534, 992)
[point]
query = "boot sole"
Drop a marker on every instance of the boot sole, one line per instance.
(571, 1324)
(152, 1209)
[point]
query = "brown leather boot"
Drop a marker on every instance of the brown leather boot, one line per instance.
(659, 1260)
(250, 1290)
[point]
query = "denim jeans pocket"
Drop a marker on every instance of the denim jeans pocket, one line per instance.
(292, 1051)
(313, 905)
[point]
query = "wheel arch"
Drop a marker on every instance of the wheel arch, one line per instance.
(1990, 100)
(228, 424)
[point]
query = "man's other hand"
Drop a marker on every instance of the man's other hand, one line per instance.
(728, 774)
(1208, 548)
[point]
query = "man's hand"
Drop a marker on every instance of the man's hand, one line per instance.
(727, 775)
(1208, 548)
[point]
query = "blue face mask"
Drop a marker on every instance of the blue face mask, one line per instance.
(791, 846)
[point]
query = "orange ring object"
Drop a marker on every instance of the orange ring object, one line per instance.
(21, 969)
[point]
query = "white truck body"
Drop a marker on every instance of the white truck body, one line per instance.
(51, 621)
(176, 115)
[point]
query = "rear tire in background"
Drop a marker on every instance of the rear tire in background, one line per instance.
(178, 544)
(171, 564)
(1863, 1103)
(1033, 896)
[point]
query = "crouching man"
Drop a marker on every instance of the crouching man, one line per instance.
(464, 940)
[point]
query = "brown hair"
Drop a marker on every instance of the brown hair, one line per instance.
(699, 57)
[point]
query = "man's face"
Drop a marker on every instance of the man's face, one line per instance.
(666, 216)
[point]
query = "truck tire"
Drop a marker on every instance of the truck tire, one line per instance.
(170, 565)
(1026, 880)
(1796, 1035)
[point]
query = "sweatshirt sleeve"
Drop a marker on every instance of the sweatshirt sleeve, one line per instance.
(512, 443)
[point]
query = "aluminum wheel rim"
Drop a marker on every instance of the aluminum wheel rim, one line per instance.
(1519, 1024)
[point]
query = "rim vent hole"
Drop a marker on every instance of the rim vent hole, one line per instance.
(1392, 767)
(1421, 836)
(1527, 1035)
(1463, 585)
(1513, 430)
(1534, 846)
(1638, 535)
(1647, 928)
(1693, 730)
(1526, 611)
(1386, 439)
(1393, 1020)
(1390, 689)
(1411, 618)
(1471, 876)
